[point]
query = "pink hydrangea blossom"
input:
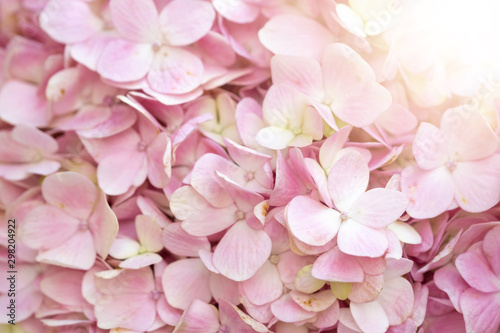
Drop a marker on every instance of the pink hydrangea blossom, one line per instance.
(277, 166)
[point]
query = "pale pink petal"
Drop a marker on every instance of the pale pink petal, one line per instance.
(347, 324)
(124, 247)
(290, 264)
(234, 319)
(328, 317)
(468, 134)
(397, 120)
(13, 152)
(72, 192)
(370, 317)
(358, 240)
(246, 200)
(491, 248)
(183, 22)
(19, 172)
(69, 21)
(241, 252)
(88, 52)
(175, 71)
(88, 117)
(122, 117)
(295, 35)
(34, 138)
(300, 72)
(287, 184)
(205, 182)
(262, 313)
(396, 299)
(395, 248)
(189, 206)
(125, 61)
(405, 232)
(77, 252)
(430, 192)
(185, 280)
(236, 11)
(218, 48)
(275, 137)
(352, 108)
(179, 242)
(245, 42)
(320, 179)
(481, 311)
(46, 226)
(122, 310)
(397, 267)
(224, 289)
(247, 158)
(449, 280)
(149, 233)
(477, 273)
(283, 107)
(332, 146)
(372, 266)
(337, 266)
(210, 220)
(347, 180)
(136, 20)
(20, 103)
(378, 207)
(124, 141)
(477, 184)
(141, 260)
(311, 222)
(114, 179)
(368, 290)
(167, 313)
(171, 99)
(287, 310)
(429, 147)
(248, 115)
(206, 256)
(305, 282)
(157, 169)
(103, 225)
(351, 87)
(199, 317)
(265, 286)
(316, 302)
(64, 287)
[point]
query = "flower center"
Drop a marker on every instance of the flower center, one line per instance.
(239, 215)
(451, 165)
(155, 295)
(327, 100)
(141, 146)
(274, 259)
(249, 176)
(343, 217)
(156, 46)
(83, 226)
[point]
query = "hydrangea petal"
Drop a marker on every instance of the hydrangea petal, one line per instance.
(358, 240)
(136, 20)
(183, 22)
(347, 180)
(311, 222)
(241, 252)
(185, 280)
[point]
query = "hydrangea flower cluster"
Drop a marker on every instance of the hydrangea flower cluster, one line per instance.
(287, 166)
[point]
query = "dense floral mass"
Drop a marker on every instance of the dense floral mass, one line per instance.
(287, 166)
